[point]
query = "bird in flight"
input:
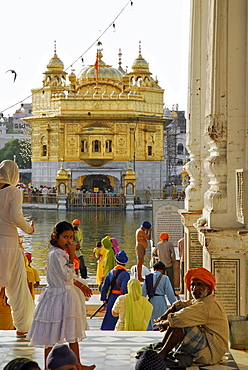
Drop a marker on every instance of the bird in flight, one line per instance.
(14, 72)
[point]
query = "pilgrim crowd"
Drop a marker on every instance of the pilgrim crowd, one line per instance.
(195, 331)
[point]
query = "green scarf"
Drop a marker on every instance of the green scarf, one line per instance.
(109, 262)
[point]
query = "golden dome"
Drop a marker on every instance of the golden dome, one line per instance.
(105, 72)
(55, 63)
(140, 64)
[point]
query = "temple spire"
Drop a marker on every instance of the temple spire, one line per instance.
(120, 63)
(120, 54)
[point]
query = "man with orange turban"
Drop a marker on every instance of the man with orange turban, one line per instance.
(199, 326)
(166, 254)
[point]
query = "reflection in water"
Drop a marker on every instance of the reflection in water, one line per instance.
(95, 225)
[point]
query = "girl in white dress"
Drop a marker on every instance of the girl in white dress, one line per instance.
(58, 316)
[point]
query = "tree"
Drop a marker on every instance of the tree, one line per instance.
(15, 148)
(26, 149)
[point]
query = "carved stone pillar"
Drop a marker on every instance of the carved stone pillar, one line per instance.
(195, 143)
(215, 199)
(222, 32)
(224, 107)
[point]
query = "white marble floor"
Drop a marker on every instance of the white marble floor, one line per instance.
(106, 349)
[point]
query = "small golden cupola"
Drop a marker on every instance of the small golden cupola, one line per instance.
(55, 76)
(73, 80)
(62, 180)
(140, 75)
(130, 182)
(140, 64)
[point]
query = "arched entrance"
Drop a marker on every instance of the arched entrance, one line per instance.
(97, 181)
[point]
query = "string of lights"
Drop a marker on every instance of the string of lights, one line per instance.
(112, 24)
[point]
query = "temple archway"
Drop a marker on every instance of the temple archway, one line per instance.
(97, 181)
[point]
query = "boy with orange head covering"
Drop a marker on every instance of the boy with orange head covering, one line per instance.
(166, 253)
(199, 326)
(164, 236)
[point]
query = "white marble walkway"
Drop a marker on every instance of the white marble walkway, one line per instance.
(107, 349)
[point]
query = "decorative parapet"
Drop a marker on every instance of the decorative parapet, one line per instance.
(75, 103)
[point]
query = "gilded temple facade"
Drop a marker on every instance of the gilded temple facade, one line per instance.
(99, 123)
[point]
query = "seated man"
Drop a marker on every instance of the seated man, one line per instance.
(199, 326)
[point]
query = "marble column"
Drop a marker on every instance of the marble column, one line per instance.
(217, 142)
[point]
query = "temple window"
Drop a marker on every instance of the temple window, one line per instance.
(130, 189)
(96, 146)
(84, 146)
(43, 146)
(109, 146)
(44, 150)
(180, 148)
(149, 151)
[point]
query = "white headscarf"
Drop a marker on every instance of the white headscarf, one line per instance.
(9, 173)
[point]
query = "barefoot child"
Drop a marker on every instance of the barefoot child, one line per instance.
(58, 316)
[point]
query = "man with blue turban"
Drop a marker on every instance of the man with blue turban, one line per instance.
(115, 284)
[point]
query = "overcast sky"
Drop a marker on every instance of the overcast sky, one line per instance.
(29, 28)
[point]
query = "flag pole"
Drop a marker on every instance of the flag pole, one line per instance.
(96, 66)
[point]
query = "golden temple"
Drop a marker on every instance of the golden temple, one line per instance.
(98, 122)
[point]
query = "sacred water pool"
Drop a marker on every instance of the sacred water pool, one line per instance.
(95, 225)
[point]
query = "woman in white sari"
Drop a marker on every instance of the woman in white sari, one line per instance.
(12, 266)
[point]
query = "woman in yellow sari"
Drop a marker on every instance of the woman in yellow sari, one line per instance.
(134, 311)
(99, 253)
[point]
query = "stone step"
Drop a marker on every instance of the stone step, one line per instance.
(93, 304)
